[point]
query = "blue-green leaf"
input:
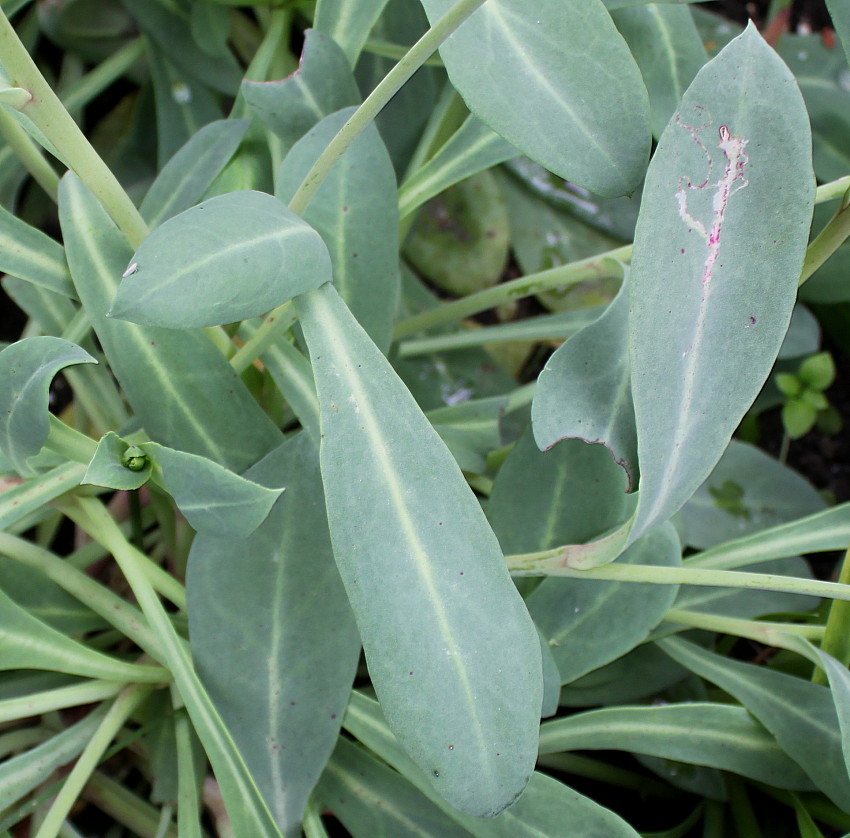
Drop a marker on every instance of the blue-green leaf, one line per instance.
(718, 251)
(235, 256)
(558, 82)
(348, 22)
(26, 371)
(453, 655)
(110, 467)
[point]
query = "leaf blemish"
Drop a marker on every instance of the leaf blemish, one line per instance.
(732, 180)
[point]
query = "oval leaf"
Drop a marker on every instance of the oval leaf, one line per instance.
(718, 249)
(109, 469)
(26, 370)
(235, 256)
(542, 75)
(452, 652)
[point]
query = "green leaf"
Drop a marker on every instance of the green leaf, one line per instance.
(460, 686)
(460, 241)
(748, 491)
(235, 256)
(31, 255)
(23, 773)
(545, 809)
(544, 78)
(273, 636)
(109, 468)
(179, 384)
(584, 391)
(473, 148)
(818, 371)
(823, 531)
(348, 22)
(26, 372)
(709, 310)
(371, 799)
(355, 211)
(798, 417)
(840, 15)
(470, 430)
(799, 714)
(588, 624)
(788, 384)
(669, 51)
(322, 85)
(30, 496)
(213, 499)
(29, 643)
(186, 176)
(717, 735)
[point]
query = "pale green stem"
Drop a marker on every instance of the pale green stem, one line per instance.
(125, 617)
(592, 267)
(546, 564)
(112, 722)
(158, 579)
(123, 806)
(49, 115)
(29, 155)
(388, 49)
(770, 634)
(35, 704)
(828, 240)
(111, 69)
(312, 822)
(836, 639)
(272, 327)
(164, 825)
(359, 121)
(602, 266)
(188, 793)
(70, 443)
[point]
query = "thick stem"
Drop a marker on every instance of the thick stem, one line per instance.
(30, 155)
(49, 115)
(770, 634)
(836, 638)
(828, 240)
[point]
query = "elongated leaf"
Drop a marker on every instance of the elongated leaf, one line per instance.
(321, 85)
(180, 386)
(748, 491)
(212, 498)
(371, 799)
(709, 310)
(273, 636)
(717, 735)
(451, 650)
(355, 211)
(669, 51)
(840, 15)
(823, 531)
(584, 391)
(588, 624)
(21, 774)
(235, 256)
(546, 808)
(28, 643)
(26, 371)
(34, 494)
(800, 715)
(348, 22)
(31, 255)
(186, 176)
(473, 148)
(535, 75)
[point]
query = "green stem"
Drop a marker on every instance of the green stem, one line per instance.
(70, 443)
(602, 266)
(388, 49)
(112, 722)
(188, 793)
(125, 617)
(832, 190)
(34, 704)
(547, 564)
(272, 327)
(111, 69)
(123, 806)
(836, 638)
(379, 97)
(49, 115)
(312, 822)
(359, 121)
(769, 634)
(828, 240)
(29, 154)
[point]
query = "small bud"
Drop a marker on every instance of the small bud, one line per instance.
(134, 458)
